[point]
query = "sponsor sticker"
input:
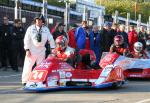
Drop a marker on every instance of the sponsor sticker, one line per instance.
(62, 74)
(52, 81)
(68, 74)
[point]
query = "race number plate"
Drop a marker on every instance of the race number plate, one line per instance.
(38, 75)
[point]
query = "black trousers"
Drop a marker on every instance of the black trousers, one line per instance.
(18, 54)
(6, 55)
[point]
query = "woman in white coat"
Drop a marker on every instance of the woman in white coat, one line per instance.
(34, 44)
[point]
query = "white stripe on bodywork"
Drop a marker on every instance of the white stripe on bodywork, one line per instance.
(104, 74)
(129, 63)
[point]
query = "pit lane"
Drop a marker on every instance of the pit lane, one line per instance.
(136, 91)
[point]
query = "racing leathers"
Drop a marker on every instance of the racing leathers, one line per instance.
(36, 48)
(139, 55)
(67, 55)
(121, 50)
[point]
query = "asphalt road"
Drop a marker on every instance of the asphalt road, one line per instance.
(11, 92)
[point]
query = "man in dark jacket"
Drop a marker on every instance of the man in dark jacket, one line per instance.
(142, 36)
(17, 44)
(95, 43)
(59, 31)
(108, 36)
(6, 50)
(123, 33)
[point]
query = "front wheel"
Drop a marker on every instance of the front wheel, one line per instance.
(117, 84)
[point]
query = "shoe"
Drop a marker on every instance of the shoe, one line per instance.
(5, 69)
(24, 84)
(16, 70)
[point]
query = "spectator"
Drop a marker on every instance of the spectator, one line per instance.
(59, 31)
(142, 36)
(6, 40)
(132, 38)
(80, 35)
(17, 44)
(115, 28)
(87, 43)
(148, 34)
(71, 35)
(148, 47)
(34, 44)
(95, 43)
(54, 28)
(108, 36)
(123, 33)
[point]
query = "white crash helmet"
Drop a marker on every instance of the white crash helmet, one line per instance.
(138, 47)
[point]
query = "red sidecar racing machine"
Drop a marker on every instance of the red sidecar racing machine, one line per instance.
(54, 74)
(132, 67)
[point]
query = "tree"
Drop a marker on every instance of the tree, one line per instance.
(125, 6)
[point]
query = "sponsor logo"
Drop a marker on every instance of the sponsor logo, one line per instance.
(68, 74)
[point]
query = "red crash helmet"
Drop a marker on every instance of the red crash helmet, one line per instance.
(61, 42)
(118, 40)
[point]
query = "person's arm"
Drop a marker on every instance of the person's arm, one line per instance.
(111, 50)
(51, 40)
(130, 38)
(145, 55)
(27, 42)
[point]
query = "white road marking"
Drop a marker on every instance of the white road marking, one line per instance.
(10, 76)
(8, 91)
(143, 101)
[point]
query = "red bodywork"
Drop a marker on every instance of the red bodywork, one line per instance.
(110, 58)
(53, 73)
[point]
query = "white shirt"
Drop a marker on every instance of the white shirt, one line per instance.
(31, 43)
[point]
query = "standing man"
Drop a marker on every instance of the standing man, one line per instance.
(59, 31)
(123, 33)
(71, 35)
(6, 48)
(34, 44)
(95, 44)
(142, 36)
(17, 44)
(132, 38)
(80, 35)
(108, 36)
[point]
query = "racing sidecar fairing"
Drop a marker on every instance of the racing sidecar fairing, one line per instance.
(53, 74)
(132, 68)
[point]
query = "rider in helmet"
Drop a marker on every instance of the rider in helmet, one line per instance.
(63, 51)
(119, 46)
(139, 51)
